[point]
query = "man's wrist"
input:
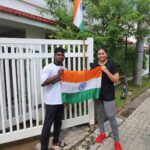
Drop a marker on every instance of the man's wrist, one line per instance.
(58, 75)
(56, 80)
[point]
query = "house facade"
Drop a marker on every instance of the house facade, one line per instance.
(23, 19)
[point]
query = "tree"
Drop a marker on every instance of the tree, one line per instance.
(64, 16)
(111, 17)
(142, 8)
(108, 22)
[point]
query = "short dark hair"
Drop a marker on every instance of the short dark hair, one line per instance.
(59, 49)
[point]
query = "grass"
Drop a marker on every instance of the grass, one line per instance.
(136, 90)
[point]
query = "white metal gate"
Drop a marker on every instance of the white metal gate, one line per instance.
(21, 96)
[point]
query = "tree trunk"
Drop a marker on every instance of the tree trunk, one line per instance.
(139, 58)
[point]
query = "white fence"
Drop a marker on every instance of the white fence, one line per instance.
(21, 96)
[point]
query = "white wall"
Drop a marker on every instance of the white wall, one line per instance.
(30, 31)
(29, 6)
(35, 33)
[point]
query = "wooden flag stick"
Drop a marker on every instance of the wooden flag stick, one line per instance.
(84, 56)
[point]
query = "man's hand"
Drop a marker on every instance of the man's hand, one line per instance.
(58, 76)
(54, 79)
(60, 72)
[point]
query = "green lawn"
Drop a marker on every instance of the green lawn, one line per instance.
(136, 90)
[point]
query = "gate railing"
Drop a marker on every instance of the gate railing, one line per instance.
(21, 96)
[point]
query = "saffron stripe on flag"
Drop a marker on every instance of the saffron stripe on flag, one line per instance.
(76, 6)
(81, 76)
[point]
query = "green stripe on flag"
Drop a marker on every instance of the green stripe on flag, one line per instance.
(81, 96)
(81, 27)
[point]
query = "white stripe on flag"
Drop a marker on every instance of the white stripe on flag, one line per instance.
(79, 17)
(69, 87)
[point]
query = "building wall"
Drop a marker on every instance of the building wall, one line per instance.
(14, 29)
(14, 33)
(29, 6)
(35, 33)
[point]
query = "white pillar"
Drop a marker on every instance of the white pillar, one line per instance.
(90, 51)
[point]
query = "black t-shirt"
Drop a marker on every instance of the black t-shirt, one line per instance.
(107, 88)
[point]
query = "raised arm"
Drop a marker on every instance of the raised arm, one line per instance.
(113, 77)
(47, 79)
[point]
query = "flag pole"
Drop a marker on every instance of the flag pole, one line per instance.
(78, 22)
(78, 15)
(84, 56)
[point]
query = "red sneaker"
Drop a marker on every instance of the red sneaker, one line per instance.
(117, 146)
(101, 137)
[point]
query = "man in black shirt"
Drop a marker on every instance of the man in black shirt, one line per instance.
(106, 102)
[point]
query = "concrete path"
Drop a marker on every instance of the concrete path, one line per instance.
(134, 132)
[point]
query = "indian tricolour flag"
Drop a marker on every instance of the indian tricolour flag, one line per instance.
(78, 14)
(78, 86)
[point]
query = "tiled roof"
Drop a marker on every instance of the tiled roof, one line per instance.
(26, 15)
